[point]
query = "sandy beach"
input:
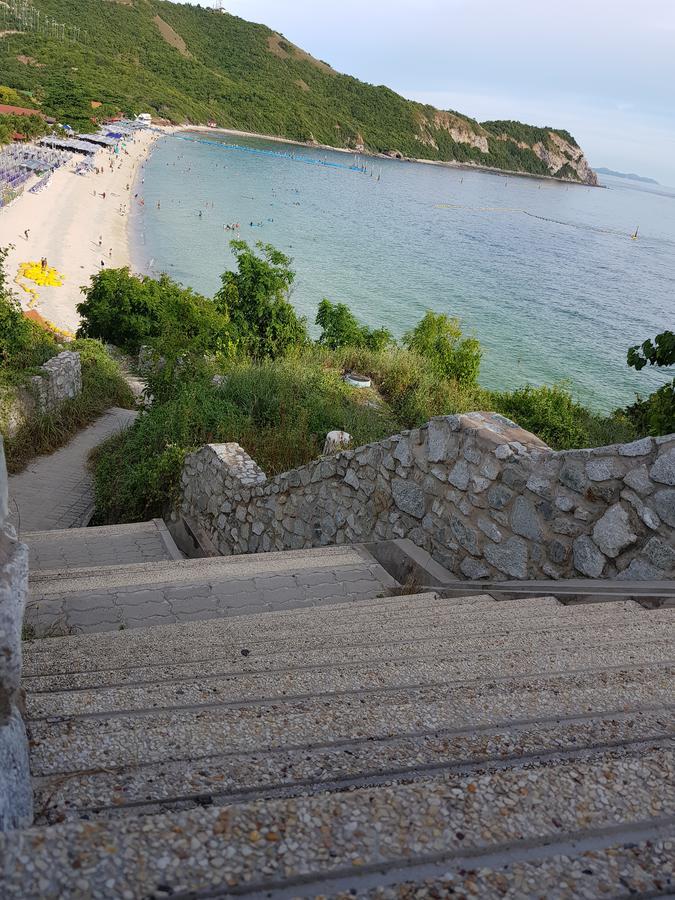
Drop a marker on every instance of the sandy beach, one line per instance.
(65, 222)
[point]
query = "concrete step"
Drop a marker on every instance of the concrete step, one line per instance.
(587, 868)
(189, 685)
(239, 566)
(489, 661)
(279, 844)
(303, 637)
(311, 768)
(133, 596)
(69, 744)
(56, 554)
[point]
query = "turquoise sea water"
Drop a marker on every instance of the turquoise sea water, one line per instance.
(544, 274)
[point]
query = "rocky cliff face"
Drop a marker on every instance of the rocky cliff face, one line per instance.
(563, 154)
(460, 130)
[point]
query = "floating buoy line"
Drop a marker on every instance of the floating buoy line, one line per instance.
(525, 212)
(358, 167)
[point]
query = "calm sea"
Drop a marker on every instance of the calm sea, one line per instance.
(545, 274)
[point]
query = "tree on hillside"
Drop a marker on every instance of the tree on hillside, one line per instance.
(255, 299)
(655, 414)
(341, 328)
(438, 338)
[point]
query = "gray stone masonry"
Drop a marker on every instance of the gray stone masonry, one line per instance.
(16, 797)
(60, 379)
(484, 497)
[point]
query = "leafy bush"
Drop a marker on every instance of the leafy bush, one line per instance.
(656, 414)
(129, 311)
(341, 328)
(255, 301)
(438, 338)
(23, 344)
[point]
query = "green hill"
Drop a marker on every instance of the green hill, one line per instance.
(189, 64)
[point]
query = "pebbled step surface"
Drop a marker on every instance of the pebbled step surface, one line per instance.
(394, 620)
(390, 747)
(278, 842)
(63, 744)
(315, 767)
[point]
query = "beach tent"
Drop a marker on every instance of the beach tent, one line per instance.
(71, 144)
(101, 140)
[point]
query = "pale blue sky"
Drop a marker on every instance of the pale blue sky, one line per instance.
(603, 69)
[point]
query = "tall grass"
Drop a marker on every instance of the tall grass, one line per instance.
(279, 412)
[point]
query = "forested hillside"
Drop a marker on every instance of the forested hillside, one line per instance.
(84, 58)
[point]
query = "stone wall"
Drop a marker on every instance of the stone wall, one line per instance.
(484, 497)
(16, 798)
(60, 380)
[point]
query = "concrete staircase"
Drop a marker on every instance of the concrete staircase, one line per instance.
(327, 734)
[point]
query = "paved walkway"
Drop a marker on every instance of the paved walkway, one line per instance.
(57, 491)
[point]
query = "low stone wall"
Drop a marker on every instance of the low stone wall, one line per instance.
(60, 380)
(16, 797)
(484, 497)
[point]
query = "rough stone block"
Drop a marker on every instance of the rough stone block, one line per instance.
(509, 557)
(663, 469)
(409, 497)
(587, 558)
(612, 532)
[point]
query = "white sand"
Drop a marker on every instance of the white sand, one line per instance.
(65, 222)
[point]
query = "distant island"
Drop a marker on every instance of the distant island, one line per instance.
(630, 176)
(185, 64)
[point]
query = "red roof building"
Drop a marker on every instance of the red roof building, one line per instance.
(19, 111)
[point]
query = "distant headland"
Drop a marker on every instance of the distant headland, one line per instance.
(629, 176)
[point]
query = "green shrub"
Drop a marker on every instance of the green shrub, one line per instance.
(553, 415)
(255, 301)
(129, 311)
(341, 328)
(656, 414)
(438, 338)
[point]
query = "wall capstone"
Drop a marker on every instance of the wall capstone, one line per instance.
(16, 796)
(484, 497)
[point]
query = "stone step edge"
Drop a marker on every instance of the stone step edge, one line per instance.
(369, 778)
(335, 695)
(461, 869)
(513, 726)
(503, 853)
(561, 587)
(59, 582)
(149, 526)
(288, 669)
(375, 640)
(645, 638)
